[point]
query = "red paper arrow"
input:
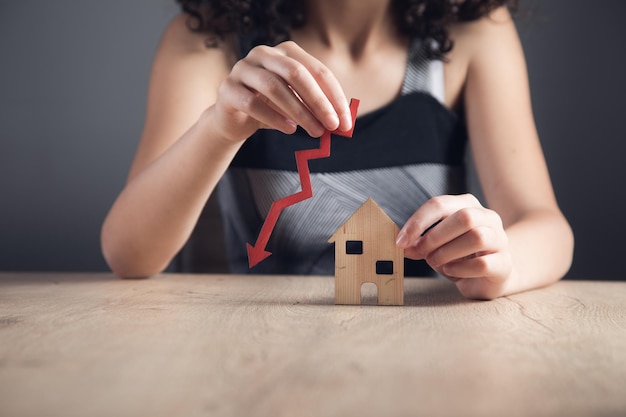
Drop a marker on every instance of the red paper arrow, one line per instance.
(257, 253)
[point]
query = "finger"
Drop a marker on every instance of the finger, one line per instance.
(480, 288)
(279, 96)
(327, 82)
(480, 239)
(434, 210)
(242, 99)
(467, 231)
(308, 77)
(493, 266)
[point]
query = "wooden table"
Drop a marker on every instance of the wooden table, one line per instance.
(218, 345)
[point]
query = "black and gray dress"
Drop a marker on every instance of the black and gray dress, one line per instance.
(400, 155)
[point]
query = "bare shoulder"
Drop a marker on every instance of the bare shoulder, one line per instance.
(184, 82)
(489, 35)
(180, 43)
(486, 41)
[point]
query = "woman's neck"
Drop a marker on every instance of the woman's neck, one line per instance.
(348, 26)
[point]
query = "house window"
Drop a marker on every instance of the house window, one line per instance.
(384, 267)
(354, 247)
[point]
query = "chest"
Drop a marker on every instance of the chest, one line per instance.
(376, 85)
(375, 78)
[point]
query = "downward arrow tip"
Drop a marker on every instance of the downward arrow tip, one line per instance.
(256, 255)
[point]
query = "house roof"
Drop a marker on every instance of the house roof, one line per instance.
(368, 212)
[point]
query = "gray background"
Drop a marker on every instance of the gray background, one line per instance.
(73, 80)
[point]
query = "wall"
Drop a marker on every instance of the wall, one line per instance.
(73, 78)
(73, 81)
(577, 62)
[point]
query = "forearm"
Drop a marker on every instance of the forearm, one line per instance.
(155, 213)
(541, 246)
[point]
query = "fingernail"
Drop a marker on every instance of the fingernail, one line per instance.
(346, 122)
(317, 131)
(402, 240)
(334, 122)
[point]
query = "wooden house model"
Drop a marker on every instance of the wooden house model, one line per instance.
(366, 251)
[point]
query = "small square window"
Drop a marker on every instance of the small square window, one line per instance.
(384, 267)
(354, 247)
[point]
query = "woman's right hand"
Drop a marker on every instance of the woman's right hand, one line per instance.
(280, 88)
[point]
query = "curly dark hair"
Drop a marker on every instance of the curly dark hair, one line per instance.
(270, 21)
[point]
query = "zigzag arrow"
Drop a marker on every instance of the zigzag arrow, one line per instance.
(257, 253)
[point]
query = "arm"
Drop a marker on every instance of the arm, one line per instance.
(201, 108)
(524, 242)
(178, 161)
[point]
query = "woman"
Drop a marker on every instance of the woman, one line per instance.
(429, 74)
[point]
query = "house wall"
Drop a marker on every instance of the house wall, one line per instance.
(377, 233)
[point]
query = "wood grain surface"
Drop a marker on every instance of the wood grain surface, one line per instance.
(219, 345)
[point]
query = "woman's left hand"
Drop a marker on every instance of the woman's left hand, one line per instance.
(468, 244)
